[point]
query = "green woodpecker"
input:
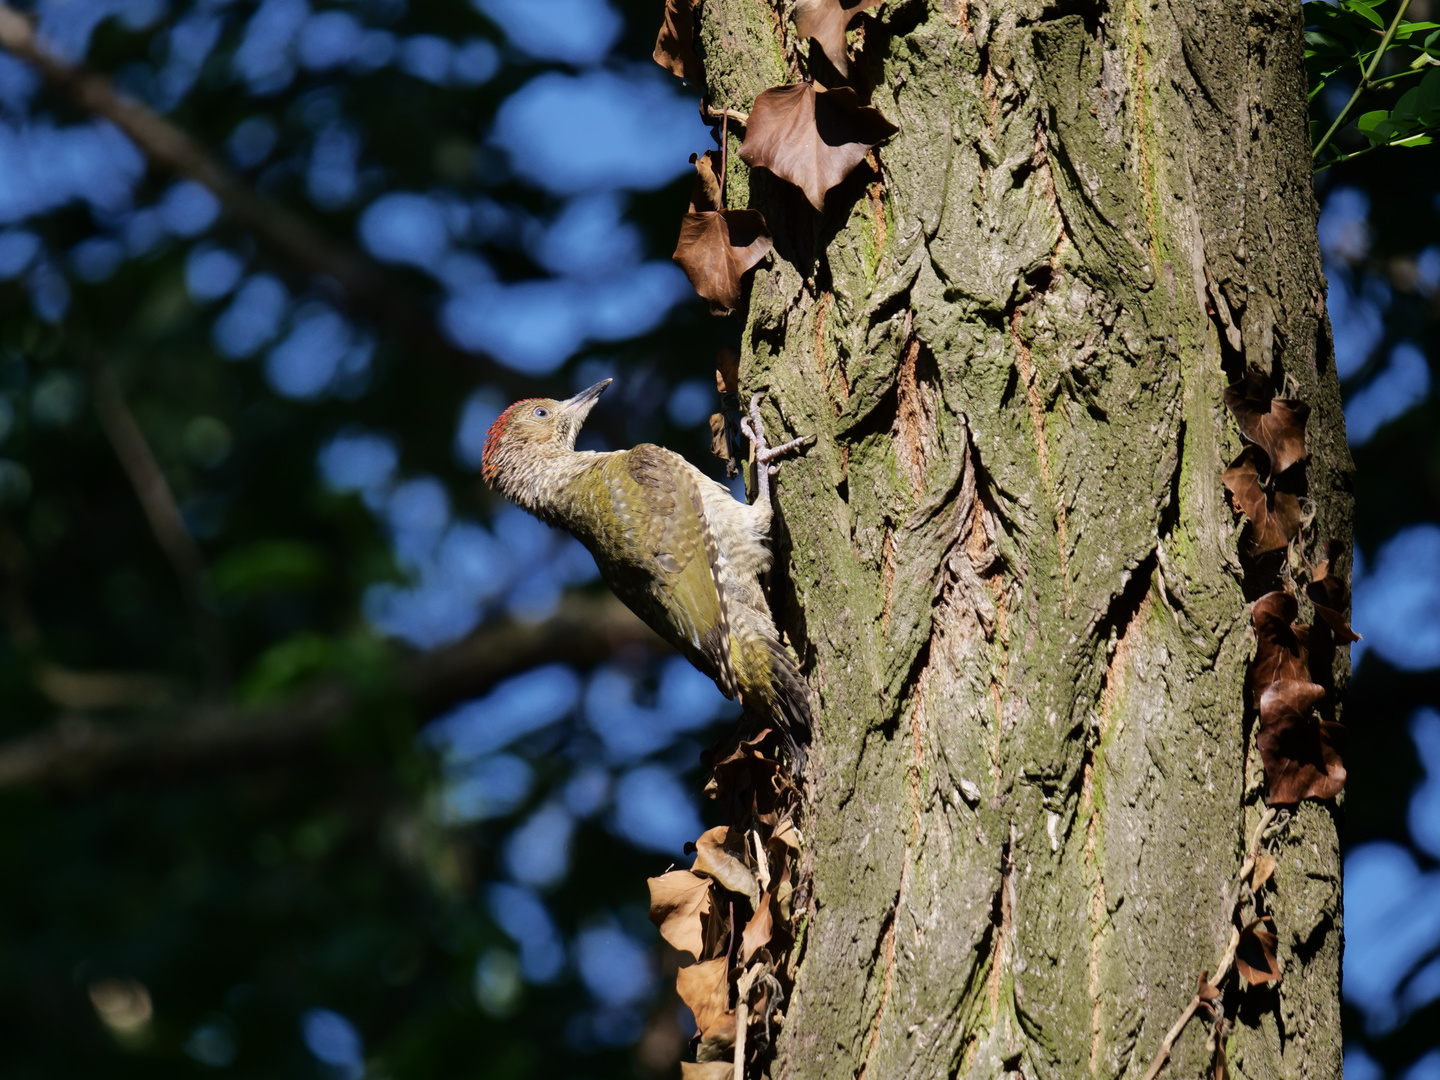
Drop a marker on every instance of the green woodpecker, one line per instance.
(675, 546)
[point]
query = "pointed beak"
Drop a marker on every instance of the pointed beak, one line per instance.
(581, 404)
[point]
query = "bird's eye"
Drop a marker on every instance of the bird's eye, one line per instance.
(541, 411)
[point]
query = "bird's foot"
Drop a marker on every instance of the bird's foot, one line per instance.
(765, 454)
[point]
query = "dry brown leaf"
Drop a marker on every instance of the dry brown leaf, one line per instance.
(705, 193)
(719, 437)
(705, 988)
(786, 833)
(719, 853)
(1281, 646)
(826, 21)
(1331, 594)
(675, 44)
(715, 250)
(1297, 748)
(709, 1070)
(757, 930)
(1255, 955)
(811, 137)
(784, 896)
(727, 370)
(1264, 868)
(1274, 516)
(747, 781)
(680, 906)
(1276, 425)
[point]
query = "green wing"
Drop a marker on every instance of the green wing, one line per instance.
(662, 558)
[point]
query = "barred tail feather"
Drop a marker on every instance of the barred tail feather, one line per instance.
(791, 702)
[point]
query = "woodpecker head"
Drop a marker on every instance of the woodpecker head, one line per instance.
(529, 435)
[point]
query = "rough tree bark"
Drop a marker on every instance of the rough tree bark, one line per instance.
(1008, 563)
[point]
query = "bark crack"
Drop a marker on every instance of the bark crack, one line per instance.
(1026, 366)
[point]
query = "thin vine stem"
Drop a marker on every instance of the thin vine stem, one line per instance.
(1364, 83)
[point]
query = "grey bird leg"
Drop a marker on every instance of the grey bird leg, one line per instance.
(764, 454)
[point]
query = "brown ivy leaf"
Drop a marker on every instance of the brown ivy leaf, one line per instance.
(826, 21)
(705, 192)
(727, 370)
(1330, 594)
(1276, 425)
(715, 250)
(1281, 647)
(705, 988)
(786, 833)
(680, 905)
(747, 781)
(757, 930)
(675, 44)
(719, 854)
(784, 897)
(1297, 748)
(709, 1070)
(1274, 516)
(811, 137)
(1255, 955)
(1264, 868)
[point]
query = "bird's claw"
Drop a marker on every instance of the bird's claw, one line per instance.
(754, 430)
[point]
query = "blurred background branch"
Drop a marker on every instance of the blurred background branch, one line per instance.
(171, 533)
(82, 750)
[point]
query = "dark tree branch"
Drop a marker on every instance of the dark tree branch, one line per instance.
(166, 523)
(80, 751)
(370, 292)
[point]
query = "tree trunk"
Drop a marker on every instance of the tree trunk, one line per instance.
(1008, 563)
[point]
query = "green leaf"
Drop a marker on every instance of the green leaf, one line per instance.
(1376, 126)
(1415, 140)
(1427, 97)
(267, 566)
(283, 665)
(1365, 11)
(1406, 29)
(1320, 43)
(1405, 110)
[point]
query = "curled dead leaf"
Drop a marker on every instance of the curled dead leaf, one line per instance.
(705, 989)
(785, 833)
(1298, 750)
(1255, 955)
(675, 44)
(1264, 868)
(812, 137)
(708, 1070)
(827, 21)
(749, 781)
(1281, 646)
(705, 193)
(681, 905)
(727, 370)
(1274, 515)
(757, 930)
(715, 250)
(1331, 594)
(1276, 425)
(719, 853)
(719, 437)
